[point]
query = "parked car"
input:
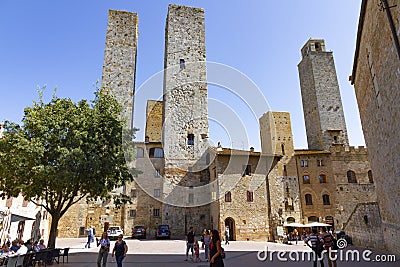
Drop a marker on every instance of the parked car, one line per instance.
(342, 234)
(114, 231)
(163, 231)
(139, 232)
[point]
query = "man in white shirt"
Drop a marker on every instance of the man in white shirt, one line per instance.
(22, 248)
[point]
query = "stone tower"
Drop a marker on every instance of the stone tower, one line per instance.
(119, 67)
(277, 138)
(185, 119)
(322, 105)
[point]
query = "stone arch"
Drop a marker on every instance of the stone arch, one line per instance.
(230, 222)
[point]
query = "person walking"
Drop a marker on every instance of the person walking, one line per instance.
(216, 250)
(89, 233)
(329, 246)
(316, 245)
(207, 239)
(189, 242)
(227, 235)
(120, 249)
(104, 244)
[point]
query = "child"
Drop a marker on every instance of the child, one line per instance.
(196, 251)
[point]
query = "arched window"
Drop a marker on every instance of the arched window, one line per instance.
(325, 199)
(370, 178)
(156, 152)
(308, 199)
(351, 177)
(139, 152)
(322, 178)
(306, 179)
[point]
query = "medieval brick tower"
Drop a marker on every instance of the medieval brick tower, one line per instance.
(119, 67)
(322, 105)
(185, 119)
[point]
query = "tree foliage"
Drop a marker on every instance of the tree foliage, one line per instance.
(64, 152)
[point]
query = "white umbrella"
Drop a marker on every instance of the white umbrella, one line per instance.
(316, 224)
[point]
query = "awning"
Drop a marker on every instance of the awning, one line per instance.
(18, 218)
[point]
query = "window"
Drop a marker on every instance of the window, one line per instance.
(246, 170)
(325, 200)
(228, 196)
(249, 196)
(306, 179)
(320, 162)
(157, 193)
(351, 177)
(335, 139)
(132, 213)
(190, 138)
(191, 198)
(158, 173)
(304, 163)
(370, 178)
(156, 212)
(156, 152)
(133, 193)
(182, 63)
(283, 149)
(322, 178)
(308, 199)
(139, 152)
(284, 170)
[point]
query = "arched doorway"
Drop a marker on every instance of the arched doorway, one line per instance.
(231, 224)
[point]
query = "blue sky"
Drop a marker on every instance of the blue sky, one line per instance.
(61, 43)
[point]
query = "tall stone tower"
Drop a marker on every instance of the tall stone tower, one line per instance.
(119, 67)
(185, 118)
(322, 105)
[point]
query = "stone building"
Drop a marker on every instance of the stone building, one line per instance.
(376, 80)
(184, 182)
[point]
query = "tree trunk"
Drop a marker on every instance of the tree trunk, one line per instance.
(55, 218)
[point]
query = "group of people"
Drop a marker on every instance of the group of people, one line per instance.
(19, 247)
(120, 249)
(211, 242)
(319, 242)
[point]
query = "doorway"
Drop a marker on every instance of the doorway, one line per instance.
(231, 224)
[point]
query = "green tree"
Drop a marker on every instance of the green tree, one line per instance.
(64, 152)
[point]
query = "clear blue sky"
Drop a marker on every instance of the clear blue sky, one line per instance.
(61, 43)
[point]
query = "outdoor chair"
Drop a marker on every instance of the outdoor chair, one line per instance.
(64, 253)
(40, 258)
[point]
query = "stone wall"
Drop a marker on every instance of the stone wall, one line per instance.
(349, 195)
(154, 121)
(365, 226)
(376, 79)
(119, 67)
(249, 219)
(322, 105)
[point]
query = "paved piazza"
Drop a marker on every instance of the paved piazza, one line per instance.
(239, 253)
